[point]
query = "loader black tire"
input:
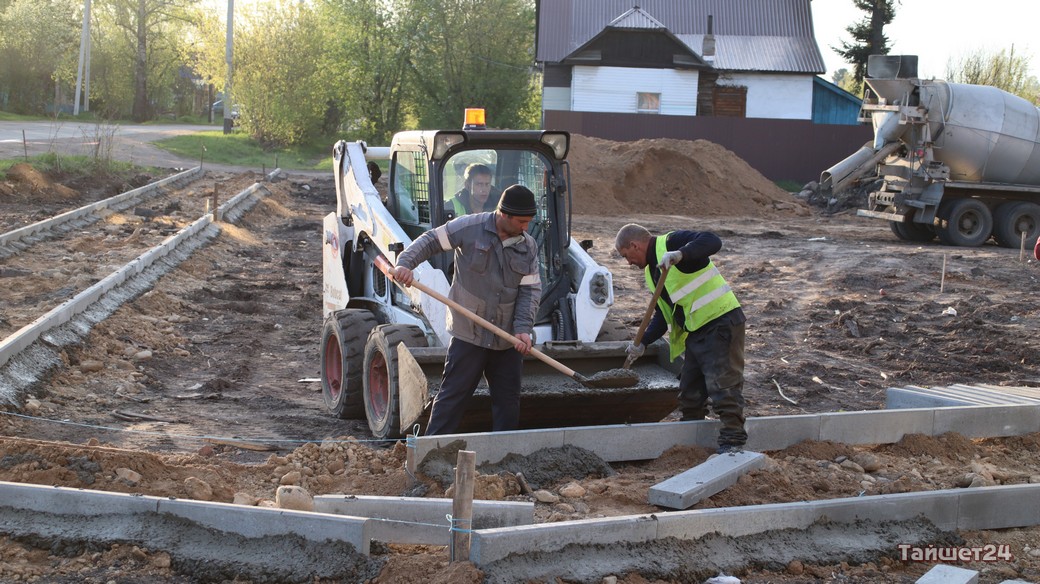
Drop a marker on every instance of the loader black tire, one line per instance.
(910, 231)
(381, 380)
(1012, 220)
(967, 222)
(343, 338)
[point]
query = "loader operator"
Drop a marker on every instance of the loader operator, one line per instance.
(475, 195)
(496, 276)
(705, 321)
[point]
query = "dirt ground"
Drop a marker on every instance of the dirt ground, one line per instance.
(223, 406)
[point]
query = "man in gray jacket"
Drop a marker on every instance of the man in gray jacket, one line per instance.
(496, 276)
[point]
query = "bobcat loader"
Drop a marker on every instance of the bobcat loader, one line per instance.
(383, 347)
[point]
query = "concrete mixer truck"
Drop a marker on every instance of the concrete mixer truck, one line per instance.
(957, 161)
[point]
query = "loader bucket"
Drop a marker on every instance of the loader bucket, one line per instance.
(549, 399)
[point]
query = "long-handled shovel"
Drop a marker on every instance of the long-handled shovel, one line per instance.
(603, 379)
(646, 316)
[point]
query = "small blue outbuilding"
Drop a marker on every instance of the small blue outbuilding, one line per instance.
(834, 105)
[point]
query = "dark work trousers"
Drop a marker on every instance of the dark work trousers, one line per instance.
(714, 368)
(463, 367)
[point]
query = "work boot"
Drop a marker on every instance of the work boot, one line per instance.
(730, 448)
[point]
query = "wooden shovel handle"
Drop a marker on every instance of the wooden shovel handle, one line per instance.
(385, 266)
(650, 309)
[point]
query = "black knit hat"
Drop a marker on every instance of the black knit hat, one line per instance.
(518, 200)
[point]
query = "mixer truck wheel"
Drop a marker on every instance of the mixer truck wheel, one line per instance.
(910, 231)
(1013, 219)
(343, 339)
(382, 385)
(968, 222)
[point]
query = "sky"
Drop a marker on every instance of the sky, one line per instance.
(935, 31)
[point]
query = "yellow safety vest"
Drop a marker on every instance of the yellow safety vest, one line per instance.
(704, 295)
(460, 210)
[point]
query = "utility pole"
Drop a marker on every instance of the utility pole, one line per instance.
(84, 61)
(228, 103)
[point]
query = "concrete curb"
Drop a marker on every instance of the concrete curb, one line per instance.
(112, 202)
(117, 517)
(982, 508)
(411, 520)
(717, 473)
(958, 395)
(83, 301)
(618, 443)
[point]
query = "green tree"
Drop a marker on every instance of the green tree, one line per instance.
(473, 53)
(39, 48)
(278, 76)
(369, 45)
(868, 37)
(145, 40)
(1004, 69)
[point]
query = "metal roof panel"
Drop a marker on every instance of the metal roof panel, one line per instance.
(764, 35)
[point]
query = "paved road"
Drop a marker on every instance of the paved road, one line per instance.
(131, 143)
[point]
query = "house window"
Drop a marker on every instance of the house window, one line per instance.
(648, 103)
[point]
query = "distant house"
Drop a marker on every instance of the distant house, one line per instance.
(609, 64)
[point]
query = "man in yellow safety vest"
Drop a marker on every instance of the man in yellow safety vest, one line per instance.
(476, 194)
(704, 321)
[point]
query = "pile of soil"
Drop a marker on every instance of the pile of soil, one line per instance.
(695, 178)
(25, 180)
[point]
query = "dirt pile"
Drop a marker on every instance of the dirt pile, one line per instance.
(25, 179)
(696, 178)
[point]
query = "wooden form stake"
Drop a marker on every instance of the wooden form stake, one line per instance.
(213, 203)
(942, 281)
(462, 505)
(1022, 250)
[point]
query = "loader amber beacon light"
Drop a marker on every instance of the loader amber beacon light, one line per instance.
(474, 119)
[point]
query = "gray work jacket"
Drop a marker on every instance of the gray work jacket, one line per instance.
(498, 282)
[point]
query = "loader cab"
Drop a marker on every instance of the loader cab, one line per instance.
(428, 171)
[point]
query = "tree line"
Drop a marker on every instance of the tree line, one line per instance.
(301, 69)
(1004, 69)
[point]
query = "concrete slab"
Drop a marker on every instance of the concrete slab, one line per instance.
(102, 515)
(942, 508)
(988, 421)
(898, 398)
(642, 441)
(257, 522)
(947, 509)
(412, 520)
(778, 432)
(618, 443)
(913, 396)
(492, 447)
(66, 501)
(872, 428)
(999, 507)
(494, 544)
(943, 574)
(685, 489)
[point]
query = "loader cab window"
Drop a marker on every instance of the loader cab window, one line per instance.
(508, 167)
(410, 192)
(470, 185)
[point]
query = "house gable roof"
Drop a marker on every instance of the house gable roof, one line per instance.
(635, 20)
(750, 35)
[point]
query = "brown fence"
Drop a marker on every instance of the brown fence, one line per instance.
(795, 150)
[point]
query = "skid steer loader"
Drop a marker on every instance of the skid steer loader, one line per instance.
(383, 347)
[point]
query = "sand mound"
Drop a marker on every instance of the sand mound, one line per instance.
(24, 177)
(668, 176)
